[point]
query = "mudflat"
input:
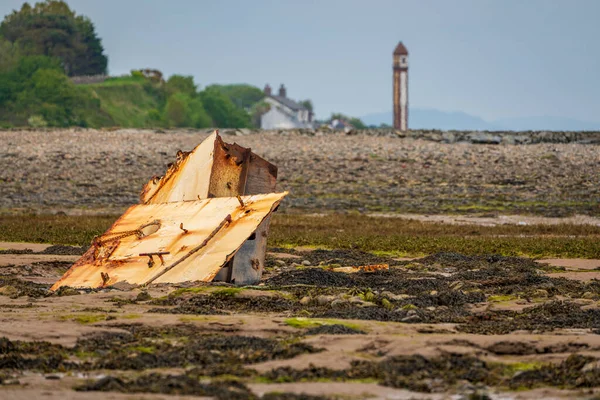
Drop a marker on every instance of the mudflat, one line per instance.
(432, 327)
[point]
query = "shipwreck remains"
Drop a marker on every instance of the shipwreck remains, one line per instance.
(206, 219)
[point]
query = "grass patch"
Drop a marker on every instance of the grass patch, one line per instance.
(131, 316)
(84, 319)
(191, 290)
(227, 292)
(501, 298)
(306, 323)
(379, 235)
(143, 349)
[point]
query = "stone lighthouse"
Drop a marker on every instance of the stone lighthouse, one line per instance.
(400, 87)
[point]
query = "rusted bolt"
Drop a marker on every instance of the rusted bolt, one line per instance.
(105, 278)
(228, 185)
(182, 228)
(241, 201)
(151, 257)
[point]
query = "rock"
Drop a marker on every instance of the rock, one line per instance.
(143, 296)
(411, 312)
(411, 318)
(323, 300)
(484, 138)
(280, 263)
(392, 296)
(306, 263)
(339, 303)
(305, 300)
(366, 304)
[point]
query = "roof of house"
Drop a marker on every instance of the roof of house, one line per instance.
(401, 50)
(289, 103)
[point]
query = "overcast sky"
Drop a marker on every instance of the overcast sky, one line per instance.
(493, 59)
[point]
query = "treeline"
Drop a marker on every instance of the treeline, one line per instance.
(42, 46)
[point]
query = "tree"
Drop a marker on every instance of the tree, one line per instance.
(243, 96)
(177, 110)
(15, 80)
(9, 55)
(307, 104)
(223, 112)
(52, 95)
(183, 84)
(257, 111)
(199, 118)
(355, 122)
(182, 110)
(52, 29)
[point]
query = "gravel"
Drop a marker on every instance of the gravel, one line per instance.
(76, 169)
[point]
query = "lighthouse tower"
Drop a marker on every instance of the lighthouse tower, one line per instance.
(400, 87)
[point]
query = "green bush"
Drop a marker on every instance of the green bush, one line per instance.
(223, 112)
(37, 121)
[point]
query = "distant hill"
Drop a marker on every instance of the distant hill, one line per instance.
(424, 118)
(547, 123)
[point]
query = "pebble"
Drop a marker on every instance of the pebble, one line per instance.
(339, 303)
(411, 318)
(306, 263)
(305, 300)
(108, 168)
(324, 300)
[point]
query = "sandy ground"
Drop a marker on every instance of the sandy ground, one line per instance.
(58, 320)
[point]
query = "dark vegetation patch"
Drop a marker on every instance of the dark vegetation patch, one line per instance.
(60, 249)
(170, 384)
(541, 318)
(40, 268)
(145, 347)
(435, 289)
(334, 329)
(575, 372)
(439, 374)
(339, 257)
(186, 384)
(141, 347)
(39, 356)
(523, 348)
(223, 303)
(15, 287)
(350, 232)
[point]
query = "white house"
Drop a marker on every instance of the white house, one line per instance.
(284, 113)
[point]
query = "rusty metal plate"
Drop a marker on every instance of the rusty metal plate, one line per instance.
(170, 242)
(186, 179)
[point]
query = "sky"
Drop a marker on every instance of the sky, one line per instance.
(493, 59)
